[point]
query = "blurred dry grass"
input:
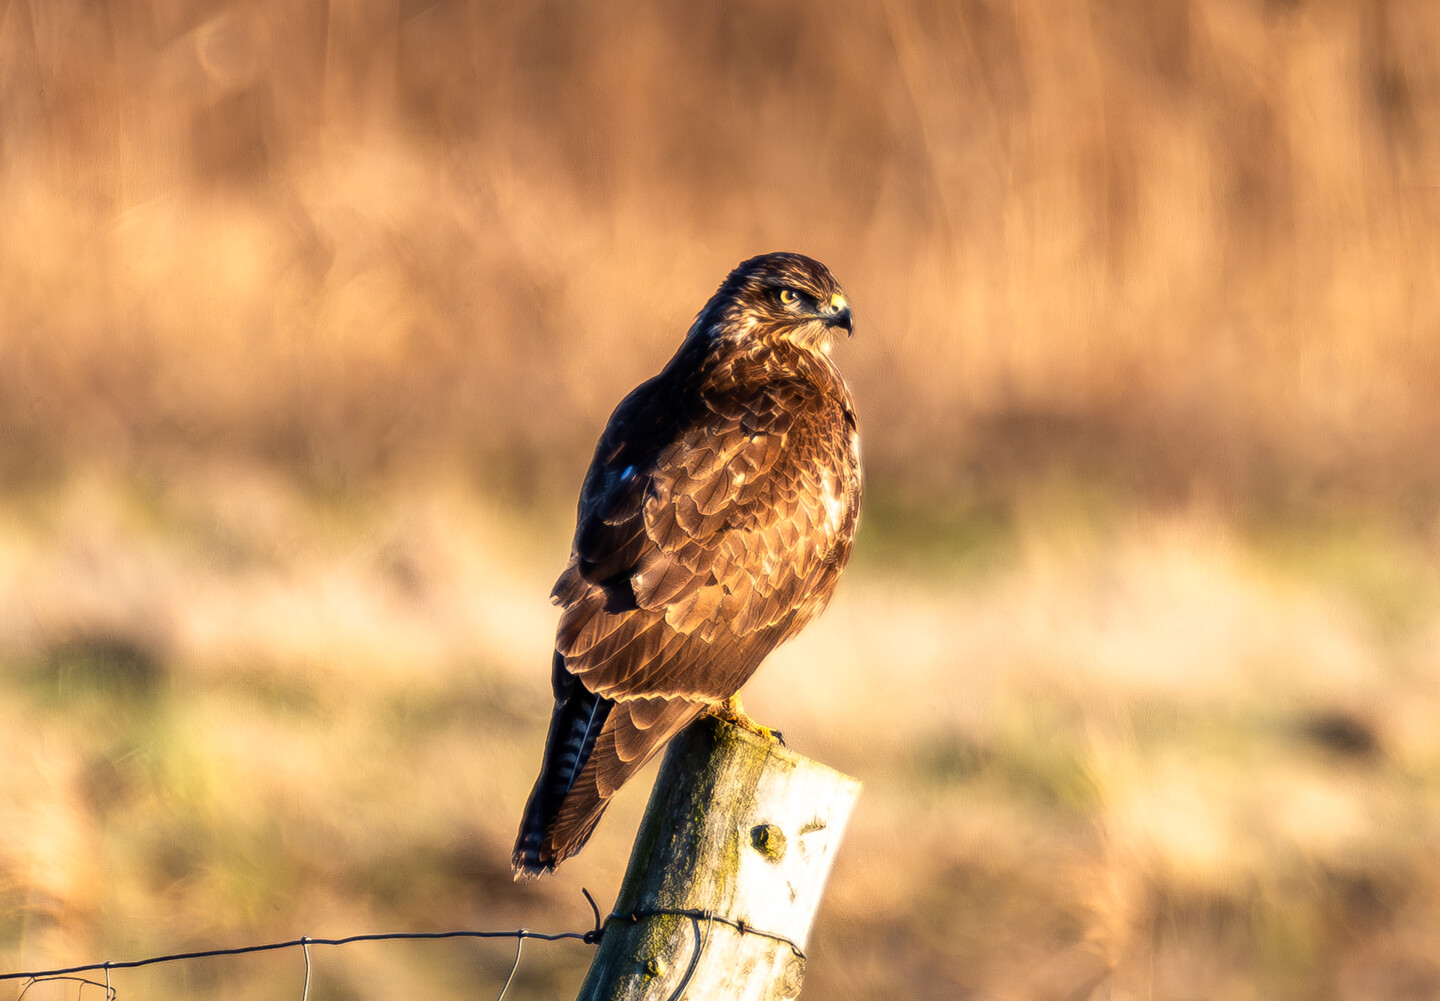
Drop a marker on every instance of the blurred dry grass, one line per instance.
(1194, 237)
(309, 315)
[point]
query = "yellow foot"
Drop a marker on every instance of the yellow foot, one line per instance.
(730, 712)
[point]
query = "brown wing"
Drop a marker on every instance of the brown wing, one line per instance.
(699, 563)
(713, 524)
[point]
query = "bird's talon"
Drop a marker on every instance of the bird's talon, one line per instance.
(730, 712)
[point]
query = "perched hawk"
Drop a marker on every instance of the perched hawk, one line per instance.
(713, 525)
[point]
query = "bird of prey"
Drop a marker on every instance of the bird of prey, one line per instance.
(713, 524)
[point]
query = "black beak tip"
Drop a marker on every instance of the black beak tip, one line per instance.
(842, 318)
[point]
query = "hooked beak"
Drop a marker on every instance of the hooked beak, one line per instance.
(836, 313)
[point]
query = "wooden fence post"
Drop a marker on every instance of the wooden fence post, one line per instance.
(738, 828)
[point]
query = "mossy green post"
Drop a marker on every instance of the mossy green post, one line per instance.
(743, 828)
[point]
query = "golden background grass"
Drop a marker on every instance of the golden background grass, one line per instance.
(310, 314)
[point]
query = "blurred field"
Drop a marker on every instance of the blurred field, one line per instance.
(310, 314)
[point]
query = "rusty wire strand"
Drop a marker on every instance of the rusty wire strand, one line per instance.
(696, 916)
(292, 944)
(700, 944)
(519, 945)
(82, 981)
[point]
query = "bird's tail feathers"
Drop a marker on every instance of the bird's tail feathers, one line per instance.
(575, 725)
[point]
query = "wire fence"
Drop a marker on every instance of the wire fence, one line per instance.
(699, 919)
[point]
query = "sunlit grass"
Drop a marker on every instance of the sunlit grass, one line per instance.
(1134, 747)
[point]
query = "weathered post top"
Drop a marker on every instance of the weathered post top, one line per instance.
(742, 829)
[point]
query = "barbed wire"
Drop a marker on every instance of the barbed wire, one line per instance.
(592, 937)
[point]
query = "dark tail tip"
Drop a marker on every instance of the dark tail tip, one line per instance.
(529, 867)
(543, 843)
(529, 861)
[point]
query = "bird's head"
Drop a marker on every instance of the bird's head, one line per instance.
(777, 296)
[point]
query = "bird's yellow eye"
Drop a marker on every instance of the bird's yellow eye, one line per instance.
(789, 296)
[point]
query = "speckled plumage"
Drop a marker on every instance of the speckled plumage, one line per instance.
(713, 524)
